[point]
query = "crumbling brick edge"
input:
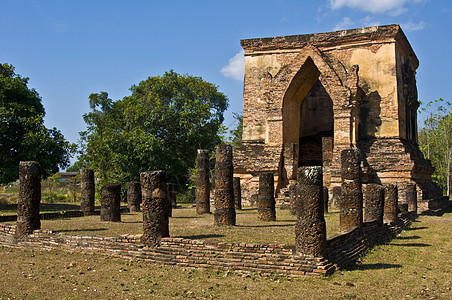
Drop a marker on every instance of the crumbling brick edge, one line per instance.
(265, 259)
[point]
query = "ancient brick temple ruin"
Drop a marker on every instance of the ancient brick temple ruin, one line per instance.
(307, 97)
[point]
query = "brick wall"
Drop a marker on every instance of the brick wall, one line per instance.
(268, 259)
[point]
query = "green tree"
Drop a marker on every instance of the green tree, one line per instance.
(236, 133)
(159, 126)
(23, 135)
(435, 140)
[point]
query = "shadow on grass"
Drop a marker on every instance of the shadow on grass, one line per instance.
(201, 236)
(414, 237)
(9, 207)
(80, 230)
(248, 209)
(45, 207)
(415, 228)
(412, 245)
(265, 226)
(377, 266)
(58, 207)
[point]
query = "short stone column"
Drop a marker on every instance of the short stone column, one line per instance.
(29, 198)
(411, 197)
(373, 203)
(202, 182)
(87, 191)
(325, 199)
(390, 203)
(169, 207)
(110, 203)
(310, 227)
(133, 196)
(224, 194)
(351, 200)
(172, 194)
(237, 193)
(154, 207)
(292, 199)
(266, 202)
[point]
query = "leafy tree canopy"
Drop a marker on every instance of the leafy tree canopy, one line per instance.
(435, 140)
(23, 135)
(160, 126)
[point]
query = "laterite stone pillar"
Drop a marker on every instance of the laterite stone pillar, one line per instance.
(29, 198)
(292, 199)
(266, 202)
(224, 194)
(390, 203)
(351, 199)
(237, 193)
(325, 199)
(169, 207)
(310, 227)
(154, 207)
(373, 203)
(133, 196)
(411, 197)
(87, 191)
(172, 194)
(202, 182)
(110, 203)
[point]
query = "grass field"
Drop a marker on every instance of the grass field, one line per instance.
(415, 265)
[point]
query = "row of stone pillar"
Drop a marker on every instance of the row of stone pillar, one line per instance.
(227, 188)
(133, 195)
(379, 202)
(28, 207)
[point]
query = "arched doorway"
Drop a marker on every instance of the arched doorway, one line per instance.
(308, 119)
(316, 123)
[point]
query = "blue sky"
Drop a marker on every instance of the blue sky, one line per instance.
(70, 49)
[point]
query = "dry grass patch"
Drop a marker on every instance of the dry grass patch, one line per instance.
(416, 265)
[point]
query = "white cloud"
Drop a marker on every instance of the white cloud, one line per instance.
(369, 22)
(410, 26)
(393, 7)
(236, 66)
(345, 24)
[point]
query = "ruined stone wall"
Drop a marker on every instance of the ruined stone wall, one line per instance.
(266, 259)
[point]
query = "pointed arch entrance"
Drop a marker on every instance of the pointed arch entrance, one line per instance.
(308, 119)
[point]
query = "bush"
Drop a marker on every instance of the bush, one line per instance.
(186, 197)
